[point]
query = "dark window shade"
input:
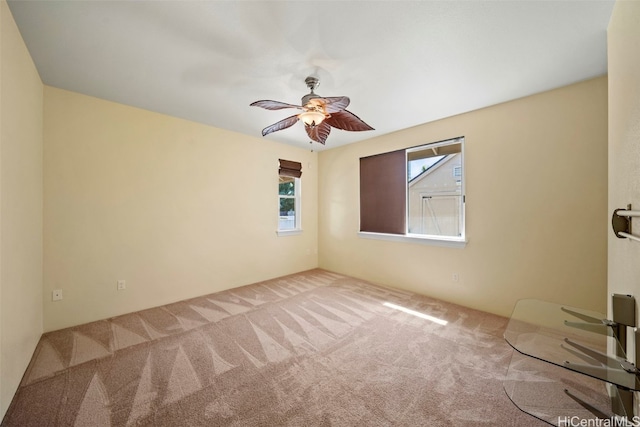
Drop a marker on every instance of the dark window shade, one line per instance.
(289, 168)
(383, 197)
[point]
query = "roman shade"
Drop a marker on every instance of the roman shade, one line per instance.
(383, 193)
(290, 168)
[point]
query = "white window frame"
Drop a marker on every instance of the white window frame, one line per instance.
(298, 208)
(427, 239)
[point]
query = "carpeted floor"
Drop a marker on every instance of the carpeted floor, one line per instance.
(311, 349)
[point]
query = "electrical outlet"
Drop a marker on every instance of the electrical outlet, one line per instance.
(122, 285)
(455, 277)
(56, 295)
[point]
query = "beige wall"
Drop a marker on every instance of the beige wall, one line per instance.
(536, 187)
(624, 142)
(175, 208)
(20, 207)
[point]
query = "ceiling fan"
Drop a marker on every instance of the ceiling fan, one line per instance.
(319, 114)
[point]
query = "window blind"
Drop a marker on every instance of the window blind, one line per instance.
(290, 168)
(383, 196)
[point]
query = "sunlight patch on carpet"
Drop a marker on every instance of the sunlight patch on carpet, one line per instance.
(416, 313)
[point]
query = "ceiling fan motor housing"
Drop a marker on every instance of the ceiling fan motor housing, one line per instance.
(312, 84)
(309, 97)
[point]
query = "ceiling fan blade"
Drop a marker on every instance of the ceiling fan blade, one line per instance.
(318, 133)
(274, 105)
(282, 124)
(333, 104)
(346, 120)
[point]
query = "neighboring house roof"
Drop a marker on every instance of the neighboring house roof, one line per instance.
(432, 168)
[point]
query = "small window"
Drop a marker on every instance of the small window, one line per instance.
(289, 196)
(415, 192)
(288, 203)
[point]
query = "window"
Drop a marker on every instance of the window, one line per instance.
(289, 196)
(288, 201)
(417, 192)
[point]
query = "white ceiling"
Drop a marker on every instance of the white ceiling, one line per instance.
(402, 63)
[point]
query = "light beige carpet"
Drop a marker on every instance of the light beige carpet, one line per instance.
(311, 349)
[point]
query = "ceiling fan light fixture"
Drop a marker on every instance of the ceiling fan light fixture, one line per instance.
(311, 118)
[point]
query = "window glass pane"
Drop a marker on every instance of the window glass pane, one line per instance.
(287, 219)
(287, 186)
(440, 215)
(416, 167)
(434, 190)
(287, 206)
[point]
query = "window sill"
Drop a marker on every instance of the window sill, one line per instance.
(283, 233)
(450, 242)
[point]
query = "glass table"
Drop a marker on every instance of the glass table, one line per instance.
(568, 363)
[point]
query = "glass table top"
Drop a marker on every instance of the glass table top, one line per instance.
(573, 338)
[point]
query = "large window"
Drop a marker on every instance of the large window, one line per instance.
(289, 196)
(417, 192)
